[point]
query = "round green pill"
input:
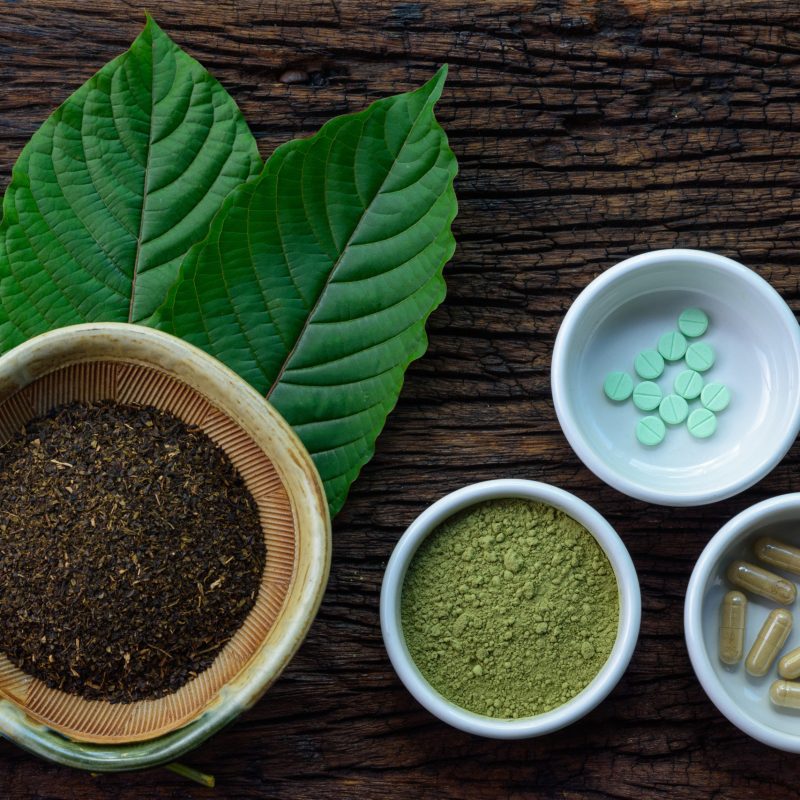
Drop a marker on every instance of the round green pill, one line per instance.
(715, 396)
(702, 423)
(700, 357)
(693, 322)
(672, 346)
(618, 386)
(649, 364)
(689, 384)
(647, 395)
(673, 409)
(650, 431)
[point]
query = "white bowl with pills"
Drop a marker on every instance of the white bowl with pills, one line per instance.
(742, 622)
(676, 377)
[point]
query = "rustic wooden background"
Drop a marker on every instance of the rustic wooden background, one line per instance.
(586, 132)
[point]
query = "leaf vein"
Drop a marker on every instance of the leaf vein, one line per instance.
(145, 185)
(336, 265)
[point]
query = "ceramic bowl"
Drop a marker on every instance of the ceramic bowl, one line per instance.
(757, 344)
(582, 703)
(133, 364)
(743, 699)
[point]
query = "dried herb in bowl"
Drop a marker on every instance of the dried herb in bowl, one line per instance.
(130, 551)
(510, 608)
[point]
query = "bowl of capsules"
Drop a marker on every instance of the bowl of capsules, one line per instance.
(742, 624)
(676, 377)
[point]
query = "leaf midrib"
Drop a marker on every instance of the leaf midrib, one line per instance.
(341, 256)
(145, 180)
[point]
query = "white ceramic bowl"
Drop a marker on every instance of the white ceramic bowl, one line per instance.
(757, 344)
(744, 700)
(582, 703)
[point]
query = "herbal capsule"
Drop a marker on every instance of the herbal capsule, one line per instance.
(789, 665)
(785, 693)
(772, 636)
(732, 615)
(778, 554)
(762, 582)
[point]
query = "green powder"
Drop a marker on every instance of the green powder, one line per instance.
(510, 608)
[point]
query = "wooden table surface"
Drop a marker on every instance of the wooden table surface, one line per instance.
(586, 132)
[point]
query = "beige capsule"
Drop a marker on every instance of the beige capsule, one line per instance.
(771, 638)
(732, 614)
(785, 693)
(789, 665)
(778, 554)
(762, 582)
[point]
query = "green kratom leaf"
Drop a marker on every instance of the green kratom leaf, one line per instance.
(113, 190)
(317, 277)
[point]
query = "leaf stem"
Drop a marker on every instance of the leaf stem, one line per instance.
(191, 774)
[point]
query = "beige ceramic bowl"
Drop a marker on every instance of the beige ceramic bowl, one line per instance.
(132, 364)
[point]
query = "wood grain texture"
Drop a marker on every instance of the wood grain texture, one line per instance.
(586, 132)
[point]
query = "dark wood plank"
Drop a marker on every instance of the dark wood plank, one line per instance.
(586, 132)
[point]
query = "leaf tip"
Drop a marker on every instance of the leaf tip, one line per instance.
(435, 85)
(151, 27)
